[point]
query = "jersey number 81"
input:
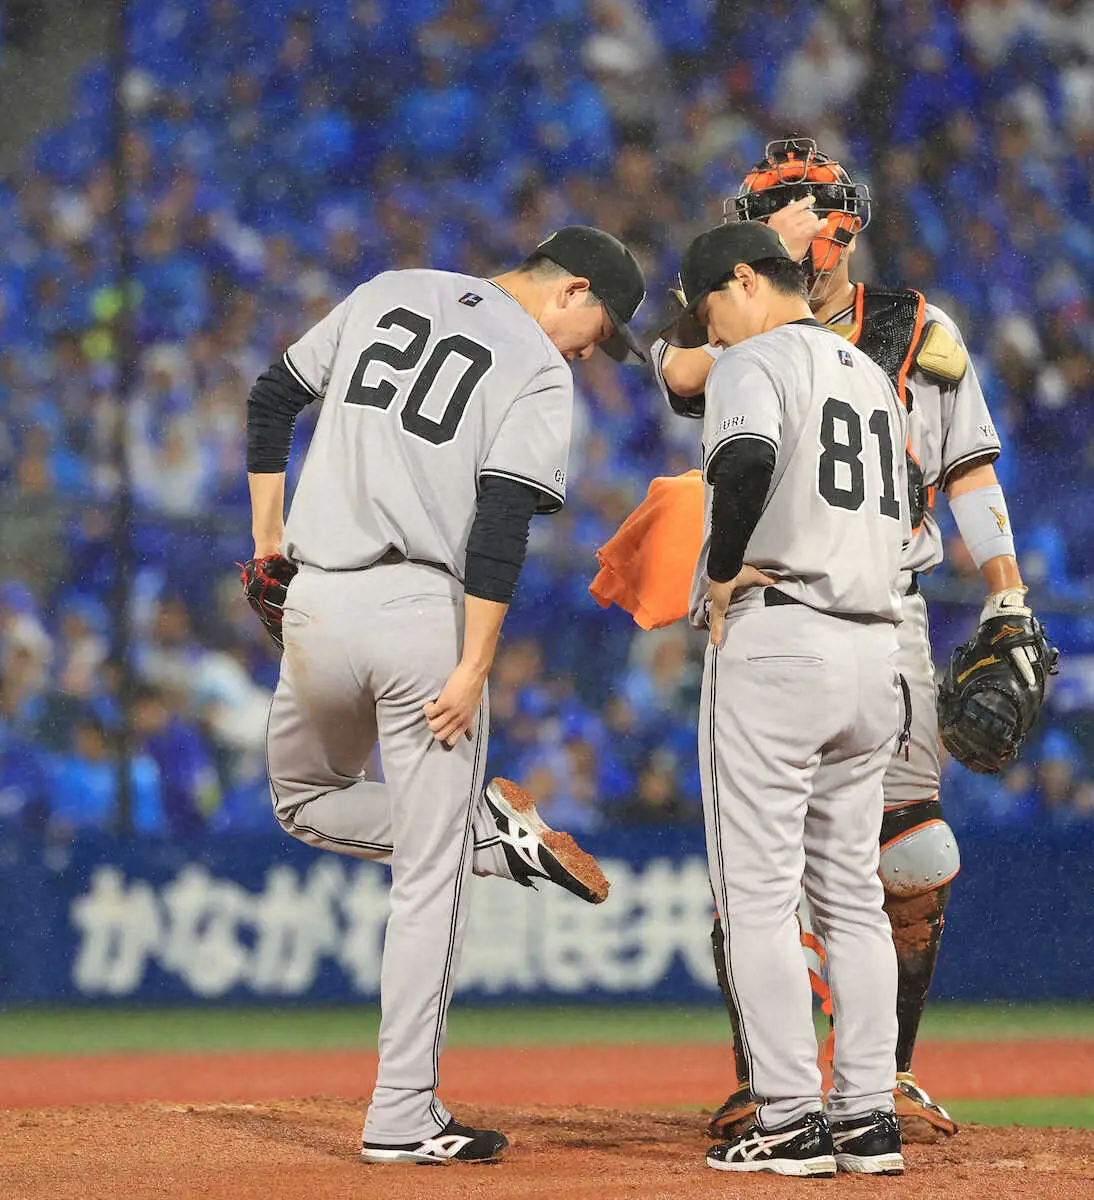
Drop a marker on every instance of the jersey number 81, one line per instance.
(846, 449)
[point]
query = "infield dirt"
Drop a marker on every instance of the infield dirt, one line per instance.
(209, 1134)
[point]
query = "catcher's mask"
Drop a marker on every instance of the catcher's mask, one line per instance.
(790, 169)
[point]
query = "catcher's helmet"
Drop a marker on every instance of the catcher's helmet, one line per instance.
(790, 169)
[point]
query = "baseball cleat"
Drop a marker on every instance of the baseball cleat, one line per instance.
(804, 1148)
(454, 1143)
(921, 1120)
(735, 1115)
(868, 1145)
(534, 850)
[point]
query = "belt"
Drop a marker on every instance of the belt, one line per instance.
(393, 556)
(913, 587)
(773, 598)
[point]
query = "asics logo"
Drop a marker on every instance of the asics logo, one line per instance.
(444, 1147)
(849, 1135)
(763, 1143)
(526, 844)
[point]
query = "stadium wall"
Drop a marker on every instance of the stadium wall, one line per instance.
(265, 920)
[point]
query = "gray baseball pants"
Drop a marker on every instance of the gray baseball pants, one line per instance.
(797, 721)
(364, 651)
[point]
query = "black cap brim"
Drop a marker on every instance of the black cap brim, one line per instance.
(678, 325)
(622, 345)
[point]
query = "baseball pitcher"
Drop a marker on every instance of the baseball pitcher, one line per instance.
(445, 426)
(800, 705)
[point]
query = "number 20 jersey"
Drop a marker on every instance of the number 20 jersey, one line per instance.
(430, 381)
(835, 520)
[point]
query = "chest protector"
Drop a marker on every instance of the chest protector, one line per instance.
(889, 328)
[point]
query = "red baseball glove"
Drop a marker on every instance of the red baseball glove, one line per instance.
(265, 584)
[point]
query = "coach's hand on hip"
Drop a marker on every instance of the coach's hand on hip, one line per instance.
(720, 595)
(453, 712)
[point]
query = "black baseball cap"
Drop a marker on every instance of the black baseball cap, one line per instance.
(711, 259)
(614, 276)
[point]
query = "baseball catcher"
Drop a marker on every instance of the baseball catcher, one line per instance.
(996, 684)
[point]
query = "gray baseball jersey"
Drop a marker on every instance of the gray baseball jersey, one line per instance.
(835, 521)
(431, 380)
(949, 425)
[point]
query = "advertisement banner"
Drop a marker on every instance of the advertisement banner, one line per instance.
(268, 920)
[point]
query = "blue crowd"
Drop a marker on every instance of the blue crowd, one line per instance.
(281, 151)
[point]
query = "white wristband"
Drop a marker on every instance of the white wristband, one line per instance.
(982, 518)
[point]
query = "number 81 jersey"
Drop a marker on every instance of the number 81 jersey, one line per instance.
(835, 520)
(430, 381)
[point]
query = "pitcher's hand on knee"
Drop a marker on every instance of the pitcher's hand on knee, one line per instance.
(453, 712)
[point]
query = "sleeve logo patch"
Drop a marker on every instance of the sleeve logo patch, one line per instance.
(845, 358)
(735, 422)
(1000, 518)
(988, 431)
(470, 299)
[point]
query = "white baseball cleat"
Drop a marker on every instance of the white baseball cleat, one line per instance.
(534, 850)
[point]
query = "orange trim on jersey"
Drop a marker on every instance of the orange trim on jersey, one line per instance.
(914, 829)
(860, 300)
(917, 332)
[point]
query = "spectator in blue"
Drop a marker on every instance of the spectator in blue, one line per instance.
(440, 122)
(1062, 791)
(24, 787)
(84, 787)
(188, 780)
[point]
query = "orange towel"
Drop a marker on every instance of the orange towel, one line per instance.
(647, 567)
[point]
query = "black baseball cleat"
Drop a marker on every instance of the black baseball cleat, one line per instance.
(534, 850)
(454, 1143)
(868, 1145)
(804, 1148)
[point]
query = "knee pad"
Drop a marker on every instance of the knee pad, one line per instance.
(918, 850)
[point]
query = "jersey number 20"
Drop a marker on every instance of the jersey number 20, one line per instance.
(478, 359)
(848, 451)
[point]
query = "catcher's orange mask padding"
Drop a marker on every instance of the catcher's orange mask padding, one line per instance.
(792, 169)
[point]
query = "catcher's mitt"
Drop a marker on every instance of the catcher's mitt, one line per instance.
(265, 582)
(992, 693)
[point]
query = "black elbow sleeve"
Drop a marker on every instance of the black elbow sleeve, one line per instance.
(272, 408)
(498, 541)
(740, 474)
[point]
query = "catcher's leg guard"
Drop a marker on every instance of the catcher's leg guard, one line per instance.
(738, 1111)
(918, 860)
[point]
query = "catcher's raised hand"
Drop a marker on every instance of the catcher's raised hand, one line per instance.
(265, 584)
(797, 224)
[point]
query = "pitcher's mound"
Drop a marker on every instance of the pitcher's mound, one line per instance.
(295, 1149)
